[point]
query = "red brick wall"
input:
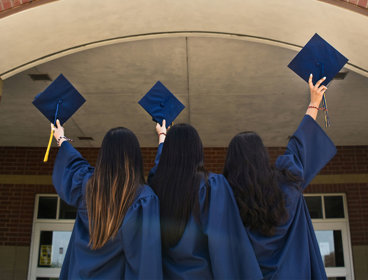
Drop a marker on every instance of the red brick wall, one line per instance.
(360, 3)
(9, 4)
(17, 201)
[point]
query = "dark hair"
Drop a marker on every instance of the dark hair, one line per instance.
(255, 183)
(177, 181)
(114, 184)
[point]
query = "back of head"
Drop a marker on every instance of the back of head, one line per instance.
(255, 183)
(177, 180)
(113, 186)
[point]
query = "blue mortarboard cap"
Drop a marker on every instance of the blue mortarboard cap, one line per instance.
(161, 104)
(319, 58)
(60, 100)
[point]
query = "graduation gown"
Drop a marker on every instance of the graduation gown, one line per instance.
(216, 247)
(135, 253)
(293, 252)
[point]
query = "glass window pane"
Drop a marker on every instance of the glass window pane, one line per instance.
(67, 211)
(52, 250)
(330, 245)
(47, 207)
(314, 204)
(334, 207)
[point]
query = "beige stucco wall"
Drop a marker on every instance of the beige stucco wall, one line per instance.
(14, 262)
(360, 261)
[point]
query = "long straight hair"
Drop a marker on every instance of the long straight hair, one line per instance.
(177, 181)
(255, 183)
(113, 186)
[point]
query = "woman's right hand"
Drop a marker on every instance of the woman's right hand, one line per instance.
(316, 94)
(316, 91)
(161, 131)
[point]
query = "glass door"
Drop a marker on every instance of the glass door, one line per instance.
(50, 243)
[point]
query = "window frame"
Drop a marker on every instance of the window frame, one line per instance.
(336, 224)
(45, 225)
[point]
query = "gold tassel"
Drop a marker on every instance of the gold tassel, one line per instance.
(45, 159)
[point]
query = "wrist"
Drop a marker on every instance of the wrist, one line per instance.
(315, 104)
(161, 138)
(61, 139)
(60, 142)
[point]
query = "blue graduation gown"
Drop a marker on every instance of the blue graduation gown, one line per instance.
(135, 253)
(217, 247)
(293, 252)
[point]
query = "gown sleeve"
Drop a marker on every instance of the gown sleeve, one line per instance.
(157, 160)
(70, 174)
(308, 151)
(231, 253)
(142, 240)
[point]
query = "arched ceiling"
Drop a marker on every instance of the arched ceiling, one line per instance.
(51, 30)
(225, 60)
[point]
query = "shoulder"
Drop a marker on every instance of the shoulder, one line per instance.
(216, 182)
(145, 204)
(213, 179)
(291, 163)
(144, 196)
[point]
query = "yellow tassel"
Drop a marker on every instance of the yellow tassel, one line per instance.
(45, 159)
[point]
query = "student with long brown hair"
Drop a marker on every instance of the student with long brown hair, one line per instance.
(270, 197)
(116, 233)
(202, 232)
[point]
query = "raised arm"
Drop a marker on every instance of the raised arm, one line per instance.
(161, 132)
(71, 170)
(309, 149)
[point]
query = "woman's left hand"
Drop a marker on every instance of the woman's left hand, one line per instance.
(58, 132)
(161, 131)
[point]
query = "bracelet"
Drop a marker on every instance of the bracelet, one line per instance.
(320, 108)
(162, 133)
(63, 137)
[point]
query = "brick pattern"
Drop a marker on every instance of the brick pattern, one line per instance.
(10, 4)
(360, 3)
(357, 200)
(17, 201)
(16, 212)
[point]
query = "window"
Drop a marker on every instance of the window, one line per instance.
(52, 227)
(331, 225)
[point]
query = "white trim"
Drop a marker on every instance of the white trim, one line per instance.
(337, 224)
(36, 271)
(37, 227)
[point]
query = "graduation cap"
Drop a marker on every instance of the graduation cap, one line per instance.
(161, 104)
(320, 59)
(60, 100)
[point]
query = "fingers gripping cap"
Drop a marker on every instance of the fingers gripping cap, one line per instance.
(60, 100)
(161, 104)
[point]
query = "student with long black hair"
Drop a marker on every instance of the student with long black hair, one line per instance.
(270, 198)
(116, 234)
(202, 233)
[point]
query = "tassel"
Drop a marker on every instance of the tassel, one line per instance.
(327, 118)
(45, 159)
